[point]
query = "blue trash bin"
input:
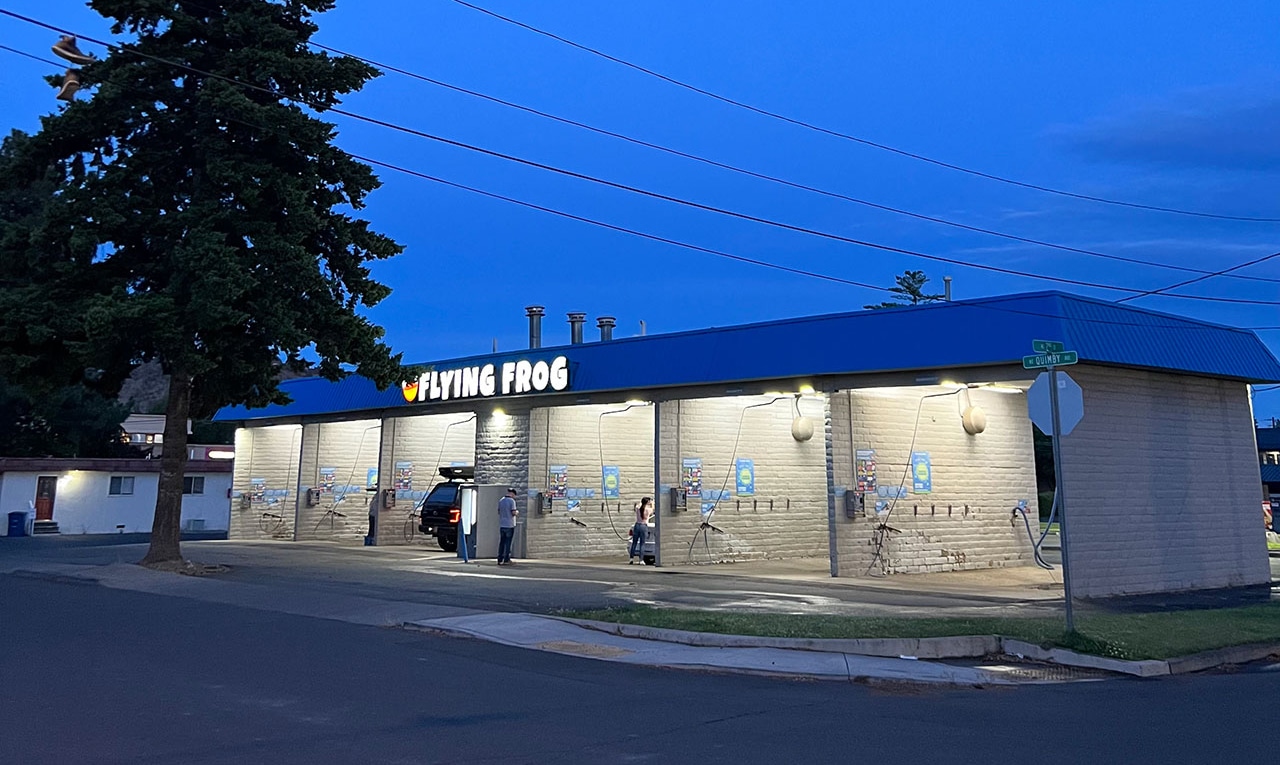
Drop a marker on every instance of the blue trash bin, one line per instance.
(18, 523)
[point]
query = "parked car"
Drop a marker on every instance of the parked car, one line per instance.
(441, 510)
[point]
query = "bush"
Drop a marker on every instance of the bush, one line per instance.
(1045, 499)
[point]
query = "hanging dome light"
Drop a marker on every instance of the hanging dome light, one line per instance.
(801, 426)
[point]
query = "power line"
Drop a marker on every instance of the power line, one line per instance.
(31, 56)
(853, 138)
(1162, 290)
(771, 178)
(624, 187)
(1191, 324)
(754, 261)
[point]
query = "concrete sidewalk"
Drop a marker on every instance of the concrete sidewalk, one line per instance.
(558, 636)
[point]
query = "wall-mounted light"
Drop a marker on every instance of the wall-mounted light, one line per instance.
(801, 426)
(974, 420)
(220, 454)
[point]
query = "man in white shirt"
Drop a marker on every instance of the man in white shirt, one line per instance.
(507, 513)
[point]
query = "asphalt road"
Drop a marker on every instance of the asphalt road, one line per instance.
(94, 675)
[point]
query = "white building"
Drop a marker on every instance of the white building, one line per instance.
(110, 496)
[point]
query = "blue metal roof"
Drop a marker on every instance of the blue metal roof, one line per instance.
(1270, 473)
(965, 333)
(1269, 439)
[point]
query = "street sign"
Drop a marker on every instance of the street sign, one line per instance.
(1044, 360)
(1070, 403)
(1056, 405)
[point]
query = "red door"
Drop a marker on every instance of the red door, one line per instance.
(46, 488)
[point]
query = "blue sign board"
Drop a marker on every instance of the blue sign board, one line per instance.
(745, 471)
(611, 482)
(921, 473)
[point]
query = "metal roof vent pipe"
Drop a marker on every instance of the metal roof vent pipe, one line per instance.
(576, 322)
(606, 325)
(535, 312)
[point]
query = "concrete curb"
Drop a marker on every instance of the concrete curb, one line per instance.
(1147, 668)
(541, 633)
(1236, 654)
(960, 647)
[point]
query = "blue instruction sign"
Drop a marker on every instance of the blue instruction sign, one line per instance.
(921, 473)
(745, 471)
(611, 482)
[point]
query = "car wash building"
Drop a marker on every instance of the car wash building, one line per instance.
(894, 441)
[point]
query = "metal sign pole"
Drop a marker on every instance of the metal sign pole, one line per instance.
(1060, 484)
(658, 499)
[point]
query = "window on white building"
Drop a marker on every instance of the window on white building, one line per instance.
(193, 484)
(120, 485)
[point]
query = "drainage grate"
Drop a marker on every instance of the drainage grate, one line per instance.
(1047, 672)
(584, 649)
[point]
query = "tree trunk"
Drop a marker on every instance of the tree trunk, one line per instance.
(166, 527)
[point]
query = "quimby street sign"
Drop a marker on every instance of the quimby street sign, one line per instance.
(1044, 360)
(1056, 404)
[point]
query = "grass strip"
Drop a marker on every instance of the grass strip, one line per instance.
(1156, 635)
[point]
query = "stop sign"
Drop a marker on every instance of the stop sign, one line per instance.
(1070, 403)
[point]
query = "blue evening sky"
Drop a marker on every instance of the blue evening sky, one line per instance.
(1163, 103)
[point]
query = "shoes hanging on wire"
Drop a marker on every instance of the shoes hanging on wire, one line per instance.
(66, 48)
(70, 84)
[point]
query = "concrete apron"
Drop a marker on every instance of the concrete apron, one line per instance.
(1016, 583)
(1027, 584)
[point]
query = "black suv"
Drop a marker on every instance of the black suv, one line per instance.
(442, 508)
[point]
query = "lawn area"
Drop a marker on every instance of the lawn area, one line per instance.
(1126, 636)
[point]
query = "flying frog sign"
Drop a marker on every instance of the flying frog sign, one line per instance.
(488, 380)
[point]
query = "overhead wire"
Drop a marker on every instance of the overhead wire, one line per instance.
(772, 178)
(732, 256)
(856, 139)
(32, 56)
(1224, 271)
(634, 189)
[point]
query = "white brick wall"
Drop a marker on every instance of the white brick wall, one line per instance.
(427, 442)
(786, 518)
(966, 521)
(270, 453)
(572, 436)
(351, 450)
(1175, 504)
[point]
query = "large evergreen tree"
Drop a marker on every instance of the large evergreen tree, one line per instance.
(197, 221)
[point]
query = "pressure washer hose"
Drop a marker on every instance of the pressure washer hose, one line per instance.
(1035, 545)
